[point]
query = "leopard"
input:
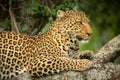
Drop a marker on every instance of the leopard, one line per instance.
(48, 53)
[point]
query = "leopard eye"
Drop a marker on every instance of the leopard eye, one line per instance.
(81, 22)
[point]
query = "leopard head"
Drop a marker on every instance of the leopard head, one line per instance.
(75, 23)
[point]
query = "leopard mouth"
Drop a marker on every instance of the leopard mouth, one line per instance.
(81, 39)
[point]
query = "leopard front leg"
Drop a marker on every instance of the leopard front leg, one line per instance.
(47, 65)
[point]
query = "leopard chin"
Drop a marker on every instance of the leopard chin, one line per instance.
(84, 41)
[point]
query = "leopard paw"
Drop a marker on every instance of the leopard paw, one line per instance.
(87, 54)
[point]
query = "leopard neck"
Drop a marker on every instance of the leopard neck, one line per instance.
(55, 29)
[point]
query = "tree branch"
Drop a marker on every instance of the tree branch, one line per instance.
(13, 21)
(109, 52)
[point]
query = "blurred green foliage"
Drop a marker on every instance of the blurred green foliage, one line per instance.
(6, 23)
(37, 15)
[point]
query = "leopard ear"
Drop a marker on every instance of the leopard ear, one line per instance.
(60, 14)
(82, 13)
